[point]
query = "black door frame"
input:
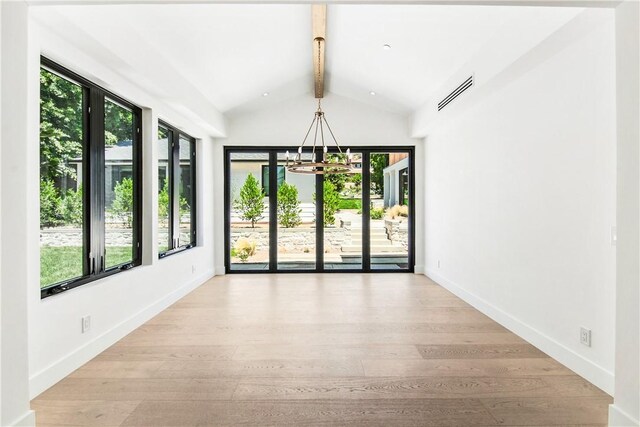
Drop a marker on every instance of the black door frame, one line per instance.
(272, 153)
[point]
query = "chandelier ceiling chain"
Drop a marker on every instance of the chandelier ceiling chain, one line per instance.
(340, 163)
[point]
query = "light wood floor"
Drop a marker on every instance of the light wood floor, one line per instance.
(333, 349)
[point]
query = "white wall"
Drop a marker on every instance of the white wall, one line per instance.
(625, 410)
(520, 195)
(122, 302)
(285, 124)
(14, 247)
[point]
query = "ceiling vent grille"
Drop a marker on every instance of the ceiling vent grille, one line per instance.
(457, 92)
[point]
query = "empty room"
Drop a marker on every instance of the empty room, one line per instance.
(343, 213)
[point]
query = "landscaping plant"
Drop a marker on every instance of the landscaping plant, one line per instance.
(251, 201)
(244, 249)
(331, 203)
(122, 205)
(288, 206)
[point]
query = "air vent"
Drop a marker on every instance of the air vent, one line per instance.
(457, 92)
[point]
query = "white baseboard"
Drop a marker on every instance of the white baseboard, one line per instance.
(26, 420)
(418, 269)
(220, 271)
(53, 373)
(619, 418)
(572, 360)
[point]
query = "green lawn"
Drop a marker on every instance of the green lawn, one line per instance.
(63, 263)
(350, 204)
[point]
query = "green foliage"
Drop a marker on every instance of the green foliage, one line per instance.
(61, 120)
(288, 206)
(378, 163)
(49, 204)
(251, 201)
(71, 207)
(376, 213)
(331, 203)
(122, 205)
(118, 124)
(164, 206)
(349, 204)
(163, 203)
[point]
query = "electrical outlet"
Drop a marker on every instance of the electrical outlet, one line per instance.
(438, 263)
(585, 336)
(86, 324)
(193, 268)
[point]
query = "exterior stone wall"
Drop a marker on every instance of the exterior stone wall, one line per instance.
(291, 237)
(73, 236)
(398, 231)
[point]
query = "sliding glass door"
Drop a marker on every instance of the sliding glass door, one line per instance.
(281, 221)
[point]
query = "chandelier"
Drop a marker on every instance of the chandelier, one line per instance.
(321, 162)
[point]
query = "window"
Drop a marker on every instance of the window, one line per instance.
(358, 222)
(89, 181)
(265, 178)
(176, 190)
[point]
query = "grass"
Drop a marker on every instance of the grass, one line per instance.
(350, 204)
(63, 263)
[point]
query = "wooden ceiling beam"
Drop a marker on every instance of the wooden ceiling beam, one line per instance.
(319, 29)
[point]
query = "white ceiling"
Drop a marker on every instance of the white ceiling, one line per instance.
(229, 55)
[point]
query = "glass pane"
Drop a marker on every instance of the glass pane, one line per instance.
(343, 218)
(164, 207)
(185, 195)
(249, 212)
(296, 218)
(118, 184)
(61, 160)
(390, 211)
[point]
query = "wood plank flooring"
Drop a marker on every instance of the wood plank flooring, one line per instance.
(332, 349)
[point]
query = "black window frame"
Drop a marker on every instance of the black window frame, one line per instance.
(173, 159)
(265, 169)
(93, 171)
(273, 267)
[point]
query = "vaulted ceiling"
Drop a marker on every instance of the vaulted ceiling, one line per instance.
(229, 55)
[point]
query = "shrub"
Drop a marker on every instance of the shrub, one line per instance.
(244, 249)
(376, 213)
(71, 207)
(251, 201)
(398, 211)
(122, 205)
(163, 204)
(49, 204)
(288, 206)
(331, 203)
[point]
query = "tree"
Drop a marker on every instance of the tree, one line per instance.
(122, 205)
(288, 206)
(331, 200)
(118, 124)
(251, 201)
(61, 118)
(378, 163)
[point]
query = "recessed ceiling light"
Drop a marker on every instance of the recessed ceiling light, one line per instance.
(265, 94)
(386, 46)
(372, 93)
